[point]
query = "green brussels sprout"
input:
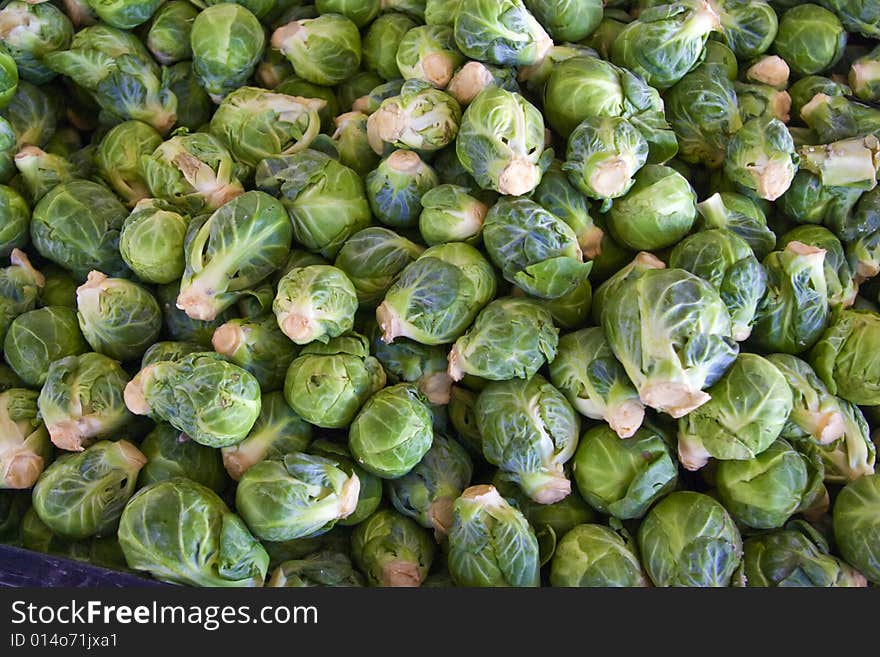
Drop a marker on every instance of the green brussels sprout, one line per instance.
(570, 310)
(391, 432)
(372, 100)
(845, 360)
(864, 77)
(296, 496)
(436, 298)
(230, 251)
(809, 201)
(119, 74)
(535, 77)
(810, 39)
(727, 262)
(501, 142)
(566, 20)
(666, 42)
(673, 335)
(500, 32)
(25, 449)
(29, 32)
(360, 12)
(194, 105)
(529, 431)
(182, 532)
(556, 194)
(429, 53)
(534, 249)
(41, 171)
(220, 68)
(323, 568)
(602, 156)
(838, 275)
(324, 50)
(257, 345)
(171, 454)
(194, 172)
(451, 214)
(594, 555)
(317, 302)
(212, 401)
(748, 28)
(322, 98)
(117, 317)
(353, 144)
(278, 431)
(31, 117)
(20, 287)
(441, 12)
(689, 539)
(450, 171)
(257, 124)
(746, 411)
(370, 494)
(358, 85)
(37, 338)
(834, 117)
(15, 219)
(325, 200)
(845, 162)
(152, 239)
(761, 156)
(392, 550)
(82, 495)
(856, 525)
(510, 338)
(76, 225)
(864, 254)
(178, 326)
(273, 69)
(793, 314)
(634, 269)
(59, 288)
(807, 88)
(638, 220)
(765, 491)
(169, 350)
(118, 158)
(420, 117)
(395, 188)
(795, 556)
(739, 215)
(703, 111)
(124, 14)
(428, 492)
(405, 361)
(772, 71)
(168, 38)
(491, 543)
(328, 383)
(473, 78)
(8, 78)
(414, 8)
(853, 455)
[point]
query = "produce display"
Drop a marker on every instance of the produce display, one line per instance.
(464, 293)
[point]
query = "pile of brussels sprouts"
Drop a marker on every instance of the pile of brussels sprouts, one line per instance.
(442, 292)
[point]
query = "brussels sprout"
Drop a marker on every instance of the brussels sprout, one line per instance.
(124, 14)
(441, 12)
(427, 493)
(59, 288)
(810, 38)
(317, 302)
(761, 156)
(764, 491)
(437, 297)
(37, 338)
(318, 569)
(845, 360)
(118, 158)
(475, 77)
(740, 215)
(595, 555)
(296, 496)
(8, 78)
(749, 28)
(31, 117)
(725, 261)
(325, 200)
(511, 338)
(853, 455)
(20, 286)
(566, 20)
(15, 219)
(428, 52)
(450, 214)
(257, 345)
(169, 350)
(838, 276)
(179, 326)
(168, 38)
(360, 12)
(29, 32)
(808, 201)
(834, 117)
(804, 90)
(391, 432)
(639, 220)
(420, 117)
(353, 144)
(372, 100)
(501, 142)
(171, 454)
(395, 188)
(278, 431)
(119, 74)
(41, 171)
(82, 495)
(328, 383)
(193, 172)
(856, 525)
(634, 269)
(372, 259)
(392, 550)
(194, 106)
(370, 494)
(182, 532)
(594, 383)
(210, 400)
(556, 194)
(795, 556)
(491, 543)
(358, 85)
(773, 71)
(500, 32)
(846, 162)
(76, 225)
(666, 41)
(219, 67)
(688, 539)
(117, 317)
(864, 76)
(25, 449)
(703, 111)
(152, 239)
(324, 50)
